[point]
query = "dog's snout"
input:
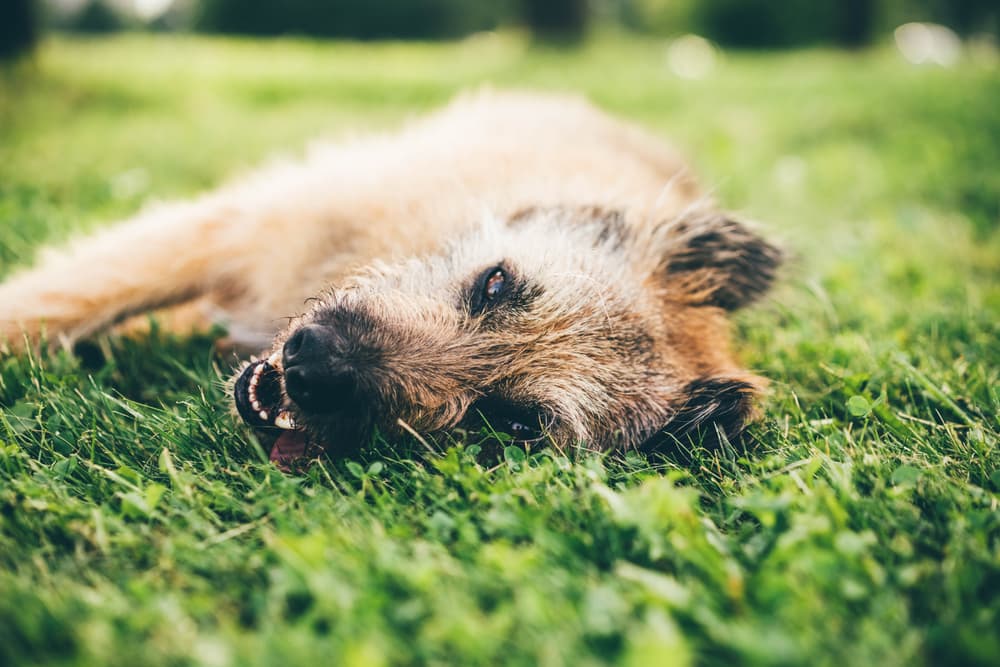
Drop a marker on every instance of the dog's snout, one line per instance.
(317, 378)
(310, 345)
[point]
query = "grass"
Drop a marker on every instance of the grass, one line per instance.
(139, 525)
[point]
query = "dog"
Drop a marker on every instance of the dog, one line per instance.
(514, 260)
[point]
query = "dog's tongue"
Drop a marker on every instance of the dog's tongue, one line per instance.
(289, 450)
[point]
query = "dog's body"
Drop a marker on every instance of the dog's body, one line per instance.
(621, 270)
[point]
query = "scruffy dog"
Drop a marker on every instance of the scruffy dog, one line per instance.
(518, 259)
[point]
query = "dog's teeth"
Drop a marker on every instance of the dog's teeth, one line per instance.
(263, 415)
(274, 359)
(256, 404)
(284, 420)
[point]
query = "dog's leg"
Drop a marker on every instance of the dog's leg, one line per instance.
(164, 256)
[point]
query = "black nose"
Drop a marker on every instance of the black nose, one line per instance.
(317, 378)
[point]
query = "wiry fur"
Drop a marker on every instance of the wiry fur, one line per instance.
(623, 272)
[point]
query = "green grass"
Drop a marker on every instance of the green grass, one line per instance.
(140, 526)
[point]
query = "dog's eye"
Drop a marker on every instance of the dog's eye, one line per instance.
(524, 423)
(494, 285)
(522, 431)
(488, 289)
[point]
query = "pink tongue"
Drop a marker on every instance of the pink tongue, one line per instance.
(289, 449)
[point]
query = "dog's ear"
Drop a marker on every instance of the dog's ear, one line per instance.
(706, 258)
(714, 407)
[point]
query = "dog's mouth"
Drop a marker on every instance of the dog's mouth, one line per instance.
(261, 402)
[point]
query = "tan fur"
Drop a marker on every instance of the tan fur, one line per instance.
(397, 225)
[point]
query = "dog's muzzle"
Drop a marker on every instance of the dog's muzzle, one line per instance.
(261, 403)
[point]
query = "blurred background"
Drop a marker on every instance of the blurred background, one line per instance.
(796, 110)
(765, 24)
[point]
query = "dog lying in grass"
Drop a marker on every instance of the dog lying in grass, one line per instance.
(514, 259)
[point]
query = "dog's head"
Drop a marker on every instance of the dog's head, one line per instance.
(575, 325)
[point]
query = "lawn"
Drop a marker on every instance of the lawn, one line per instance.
(859, 525)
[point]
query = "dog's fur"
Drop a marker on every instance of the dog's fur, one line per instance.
(619, 274)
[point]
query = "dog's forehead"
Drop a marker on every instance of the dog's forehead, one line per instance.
(540, 247)
(565, 261)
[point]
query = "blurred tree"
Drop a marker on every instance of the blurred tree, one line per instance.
(765, 23)
(663, 17)
(731, 23)
(966, 17)
(556, 20)
(18, 27)
(373, 19)
(96, 17)
(782, 23)
(856, 24)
